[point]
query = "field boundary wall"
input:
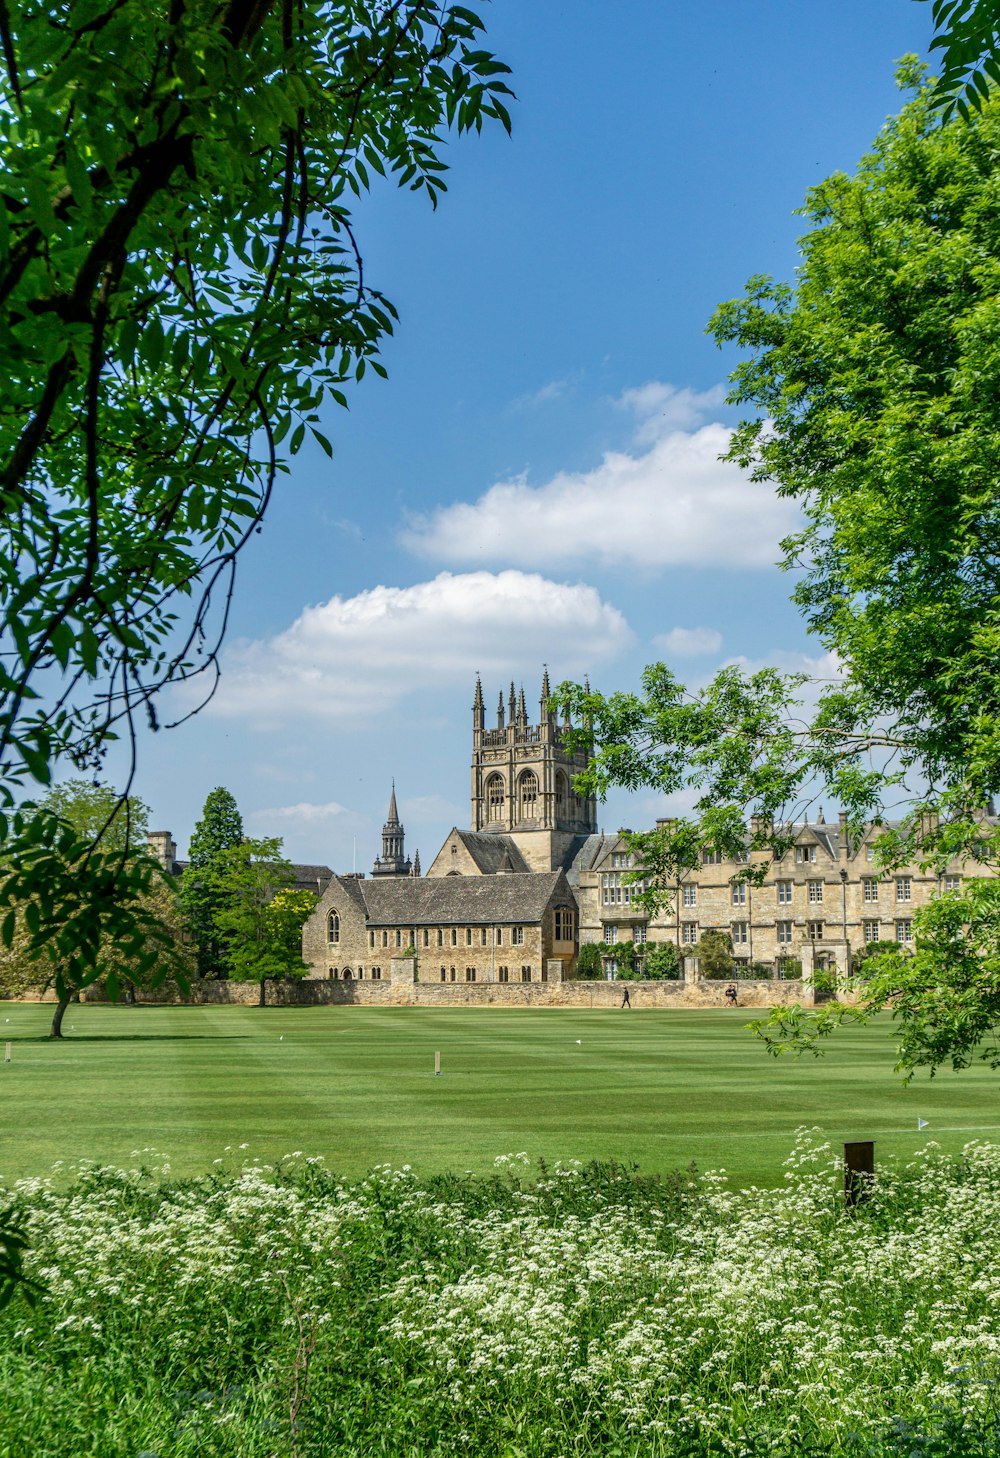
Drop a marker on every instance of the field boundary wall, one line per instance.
(312, 992)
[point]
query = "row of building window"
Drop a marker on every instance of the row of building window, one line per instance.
(564, 931)
(617, 892)
(784, 890)
(564, 922)
(805, 855)
(636, 934)
(503, 974)
(785, 930)
(347, 974)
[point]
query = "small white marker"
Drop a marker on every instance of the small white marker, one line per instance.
(282, 1038)
(580, 1041)
(921, 1124)
(437, 1065)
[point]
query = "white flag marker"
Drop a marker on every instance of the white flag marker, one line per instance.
(921, 1124)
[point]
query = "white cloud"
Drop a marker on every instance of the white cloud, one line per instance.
(303, 812)
(688, 642)
(662, 408)
(669, 502)
(350, 658)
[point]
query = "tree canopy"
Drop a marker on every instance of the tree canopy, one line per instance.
(967, 34)
(182, 289)
(259, 914)
(80, 836)
(219, 831)
(872, 388)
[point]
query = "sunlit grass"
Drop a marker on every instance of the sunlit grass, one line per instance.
(357, 1086)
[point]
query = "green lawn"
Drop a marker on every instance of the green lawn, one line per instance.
(357, 1086)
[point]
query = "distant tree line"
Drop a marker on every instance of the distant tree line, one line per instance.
(235, 911)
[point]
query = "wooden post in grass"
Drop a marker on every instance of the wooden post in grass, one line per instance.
(6, 1053)
(437, 1065)
(859, 1171)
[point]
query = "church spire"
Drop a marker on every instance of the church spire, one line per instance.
(512, 704)
(478, 707)
(500, 710)
(546, 692)
(392, 861)
(522, 712)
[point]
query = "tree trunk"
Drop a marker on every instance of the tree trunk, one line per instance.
(61, 1006)
(262, 1002)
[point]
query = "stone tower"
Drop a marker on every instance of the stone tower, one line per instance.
(392, 861)
(522, 779)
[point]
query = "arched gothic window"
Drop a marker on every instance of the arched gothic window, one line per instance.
(495, 797)
(333, 929)
(528, 788)
(562, 796)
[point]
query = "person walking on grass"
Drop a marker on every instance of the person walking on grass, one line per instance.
(626, 1000)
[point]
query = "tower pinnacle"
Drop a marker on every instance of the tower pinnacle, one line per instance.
(392, 861)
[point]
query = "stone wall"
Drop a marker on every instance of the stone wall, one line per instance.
(314, 993)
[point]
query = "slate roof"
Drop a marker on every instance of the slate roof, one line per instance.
(463, 900)
(306, 878)
(593, 848)
(492, 853)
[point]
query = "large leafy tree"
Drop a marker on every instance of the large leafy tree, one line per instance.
(219, 830)
(90, 825)
(873, 395)
(98, 813)
(181, 291)
(967, 35)
(260, 914)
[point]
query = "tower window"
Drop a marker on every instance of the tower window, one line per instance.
(495, 797)
(333, 929)
(528, 787)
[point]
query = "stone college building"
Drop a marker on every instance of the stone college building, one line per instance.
(512, 899)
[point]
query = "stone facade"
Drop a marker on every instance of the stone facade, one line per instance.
(534, 867)
(508, 903)
(821, 902)
(515, 927)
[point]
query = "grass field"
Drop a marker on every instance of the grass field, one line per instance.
(357, 1086)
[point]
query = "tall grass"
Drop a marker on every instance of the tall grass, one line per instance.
(283, 1313)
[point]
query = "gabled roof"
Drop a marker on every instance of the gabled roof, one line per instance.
(463, 900)
(592, 849)
(491, 853)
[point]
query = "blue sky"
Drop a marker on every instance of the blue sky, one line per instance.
(538, 480)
